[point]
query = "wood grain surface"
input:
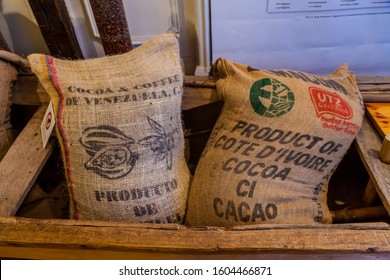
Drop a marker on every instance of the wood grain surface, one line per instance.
(368, 144)
(22, 164)
(379, 114)
(69, 239)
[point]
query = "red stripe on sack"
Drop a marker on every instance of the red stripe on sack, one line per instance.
(53, 77)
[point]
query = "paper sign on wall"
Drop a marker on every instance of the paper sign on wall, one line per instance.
(310, 36)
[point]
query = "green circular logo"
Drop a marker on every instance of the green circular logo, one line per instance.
(270, 98)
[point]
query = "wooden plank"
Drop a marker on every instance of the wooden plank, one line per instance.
(361, 80)
(38, 253)
(375, 87)
(22, 164)
(195, 97)
(366, 83)
(28, 91)
(373, 79)
(379, 114)
(60, 238)
(368, 145)
(370, 97)
(348, 215)
(198, 91)
(56, 27)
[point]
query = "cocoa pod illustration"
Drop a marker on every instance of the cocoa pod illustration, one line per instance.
(112, 162)
(109, 148)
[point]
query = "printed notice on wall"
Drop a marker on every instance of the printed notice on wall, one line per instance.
(277, 6)
(310, 36)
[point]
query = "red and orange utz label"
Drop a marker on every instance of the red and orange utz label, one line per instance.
(333, 111)
(327, 102)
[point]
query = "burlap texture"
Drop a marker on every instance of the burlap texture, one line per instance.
(280, 136)
(9, 63)
(119, 126)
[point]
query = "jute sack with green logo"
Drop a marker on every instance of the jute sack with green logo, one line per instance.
(9, 64)
(279, 137)
(118, 121)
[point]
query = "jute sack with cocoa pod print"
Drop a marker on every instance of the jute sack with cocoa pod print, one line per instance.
(9, 64)
(280, 136)
(118, 121)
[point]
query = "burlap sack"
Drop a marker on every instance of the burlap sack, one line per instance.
(119, 126)
(9, 64)
(274, 147)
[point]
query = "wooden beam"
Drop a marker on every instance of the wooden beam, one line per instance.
(22, 164)
(63, 239)
(368, 144)
(56, 27)
(198, 91)
(28, 91)
(348, 215)
(373, 80)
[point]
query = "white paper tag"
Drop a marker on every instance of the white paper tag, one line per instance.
(47, 124)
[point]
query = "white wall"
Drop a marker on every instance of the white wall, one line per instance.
(148, 17)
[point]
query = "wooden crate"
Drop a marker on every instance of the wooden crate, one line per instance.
(70, 239)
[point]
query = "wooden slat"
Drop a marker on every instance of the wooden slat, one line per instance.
(22, 164)
(368, 146)
(61, 238)
(375, 87)
(348, 215)
(31, 252)
(28, 91)
(197, 91)
(379, 114)
(195, 97)
(373, 79)
(370, 96)
(364, 82)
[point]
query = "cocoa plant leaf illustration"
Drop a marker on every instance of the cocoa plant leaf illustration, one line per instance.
(156, 126)
(149, 140)
(169, 159)
(161, 144)
(161, 157)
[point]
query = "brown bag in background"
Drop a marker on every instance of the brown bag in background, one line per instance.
(9, 63)
(279, 138)
(118, 121)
